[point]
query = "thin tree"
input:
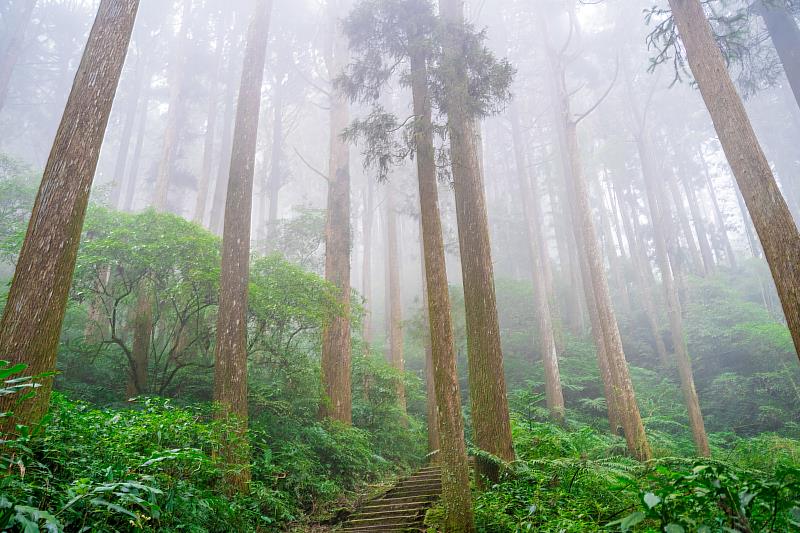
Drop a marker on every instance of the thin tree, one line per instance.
(395, 295)
(620, 395)
(336, 348)
(126, 137)
(546, 335)
(718, 217)
(226, 146)
(211, 119)
(178, 67)
(393, 32)
(785, 34)
(366, 269)
(487, 387)
(32, 318)
(432, 411)
(658, 212)
(765, 203)
(452, 449)
(230, 354)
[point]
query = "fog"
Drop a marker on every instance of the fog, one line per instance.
(615, 220)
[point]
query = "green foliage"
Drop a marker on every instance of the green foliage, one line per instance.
(18, 185)
(706, 495)
(383, 35)
(153, 467)
(300, 239)
(571, 479)
(739, 36)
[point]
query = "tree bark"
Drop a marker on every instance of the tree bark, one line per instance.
(275, 180)
(657, 214)
(644, 279)
(785, 35)
(620, 395)
(720, 220)
(456, 497)
(15, 46)
(230, 354)
(395, 298)
(31, 323)
(226, 146)
(697, 263)
(487, 387)
(366, 270)
(532, 213)
(118, 184)
(177, 78)
(587, 241)
(767, 207)
(142, 321)
(432, 411)
(211, 122)
(336, 348)
(697, 219)
(133, 173)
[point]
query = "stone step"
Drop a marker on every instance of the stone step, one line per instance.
(398, 503)
(402, 508)
(384, 529)
(417, 479)
(362, 515)
(418, 482)
(426, 491)
(400, 520)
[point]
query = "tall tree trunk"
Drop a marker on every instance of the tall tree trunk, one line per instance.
(621, 398)
(118, 181)
(720, 220)
(767, 207)
(366, 270)
(336, 349)
(430, 387)
(132, 180)
(532, 213)
(230, 354)
(395, 298)
(657, 217)
(487, 386)
(32, 318)
(226, 147)
(275, 180)
(177, 78)
(644, 279)
(456, 497)
(587, 241)
(142, 321)
(570, 269)
(614, 405)
(695, 258)
(211, 121)
(697, 219)
(15, 46)
(615, 259)
(785, 35)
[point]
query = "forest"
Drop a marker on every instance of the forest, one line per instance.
(400, 265)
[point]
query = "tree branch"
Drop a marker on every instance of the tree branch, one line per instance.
(589, 111)
(310, 166)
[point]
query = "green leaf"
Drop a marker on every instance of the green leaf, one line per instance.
(651, 500)
(674, 528)
(629, 521)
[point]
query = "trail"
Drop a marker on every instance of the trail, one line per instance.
(401, 508)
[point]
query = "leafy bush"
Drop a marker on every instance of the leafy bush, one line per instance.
(153, 467)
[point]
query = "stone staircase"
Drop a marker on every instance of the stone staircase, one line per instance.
(400, 509)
